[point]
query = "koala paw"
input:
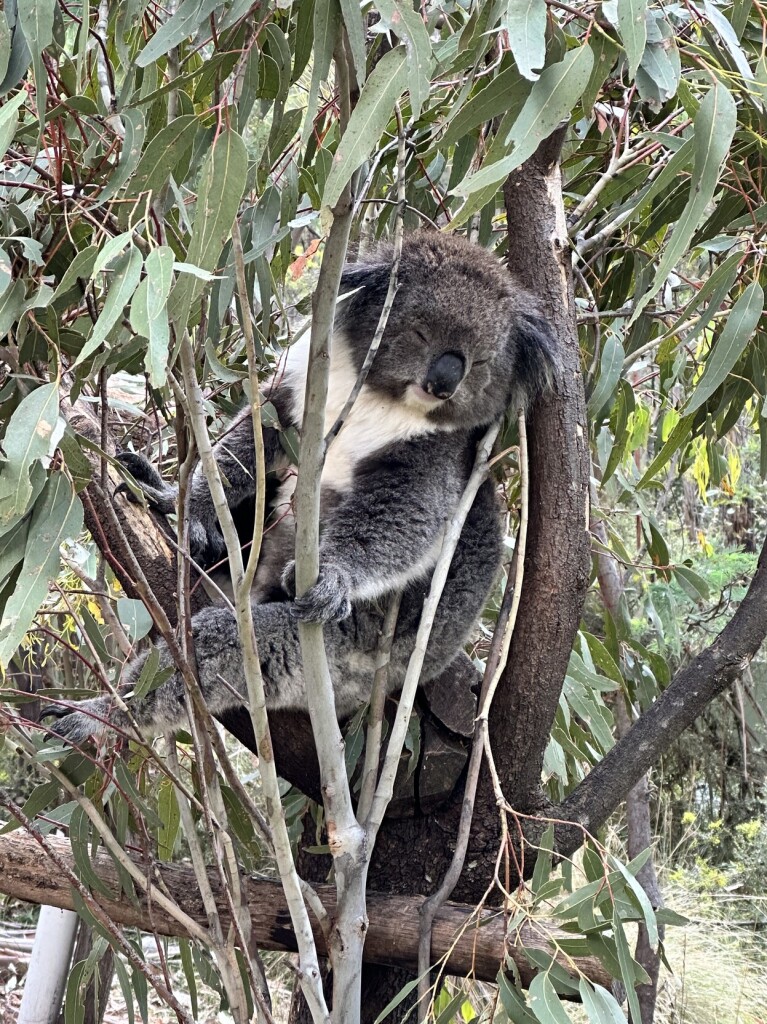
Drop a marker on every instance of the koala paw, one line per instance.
(160, 497)
(327, 601)
(92, 720)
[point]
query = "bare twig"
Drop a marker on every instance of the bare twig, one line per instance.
(309, 972)
(496, 664)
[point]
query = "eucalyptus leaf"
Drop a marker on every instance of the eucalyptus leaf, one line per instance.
(127, 272)
(525, 22)
(32, 435)
(551, 100)
(632, 25)
(714, 128)
(369, 118)
(741, 324)
(222, 183)
(58, 516)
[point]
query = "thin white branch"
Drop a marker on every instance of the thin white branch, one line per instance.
(496, 663)
(452, 533)
(309, 972)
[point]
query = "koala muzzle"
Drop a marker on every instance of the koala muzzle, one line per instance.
(444, 375)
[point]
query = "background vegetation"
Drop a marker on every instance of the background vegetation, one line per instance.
(133, 135)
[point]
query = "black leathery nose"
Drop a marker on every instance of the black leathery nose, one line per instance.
(444, 375)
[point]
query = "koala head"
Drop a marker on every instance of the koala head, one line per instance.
(463, 339)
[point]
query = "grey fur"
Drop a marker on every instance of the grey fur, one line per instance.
(392, 477)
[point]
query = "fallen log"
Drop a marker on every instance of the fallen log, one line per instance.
(466, 941)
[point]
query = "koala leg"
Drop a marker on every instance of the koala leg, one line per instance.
(220, 673)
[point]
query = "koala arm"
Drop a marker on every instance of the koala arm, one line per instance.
(384, 533)
(236, 459)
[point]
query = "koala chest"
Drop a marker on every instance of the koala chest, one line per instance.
(374, 422)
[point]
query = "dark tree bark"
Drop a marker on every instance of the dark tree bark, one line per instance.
(557, 560)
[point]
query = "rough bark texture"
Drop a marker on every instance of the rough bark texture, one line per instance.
(557, 560)
(475, 942)
(124, 531)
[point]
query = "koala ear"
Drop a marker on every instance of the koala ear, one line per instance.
(363, 288)
(536, 356)
(362, 275)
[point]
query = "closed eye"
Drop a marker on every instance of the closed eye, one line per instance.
(423, 338)
(480, 362)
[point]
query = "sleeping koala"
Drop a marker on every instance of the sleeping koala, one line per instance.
(462, 342)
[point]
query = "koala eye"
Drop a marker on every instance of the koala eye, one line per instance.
(480, 362)
(421, 335)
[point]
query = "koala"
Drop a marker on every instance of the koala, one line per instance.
(463, 341)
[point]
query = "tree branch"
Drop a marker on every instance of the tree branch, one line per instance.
(557, 560)
(469, 942)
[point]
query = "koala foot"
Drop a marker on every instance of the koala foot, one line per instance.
(93, 720)
(160, 497)
(327, 601)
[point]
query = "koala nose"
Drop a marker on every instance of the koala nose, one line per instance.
(444, 375)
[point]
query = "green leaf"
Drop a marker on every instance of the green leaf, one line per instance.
(133, 143)
(35, 18)
(740, 326)
(80, 267)
(610, 368)
(5, 44)
(494, 99)
(400, 996)
(58, 516)
(713, 129)
(162, 154)
(170, 819)
(542, 868)
(109, 251)
(368, 121)
(678, 436)
(603, 659)
(632, 25)
(551, 99)
(513, 1002)
(544, 1002)
(134, 617)
(9, 119)
(13, 544)
(149, 312)
(33, 433)
(222, 183)
(525, 22)
(627, 966)
(402, 19)
(327, 17)
(729, 38)
(355, 31)
(189, 16)
(641, 898)
(127, 272)
(599, 1004)
(693, 585)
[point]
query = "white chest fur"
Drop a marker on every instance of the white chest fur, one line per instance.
(374, 421)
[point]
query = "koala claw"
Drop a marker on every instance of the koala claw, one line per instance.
(76, 727)
(327, 601)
